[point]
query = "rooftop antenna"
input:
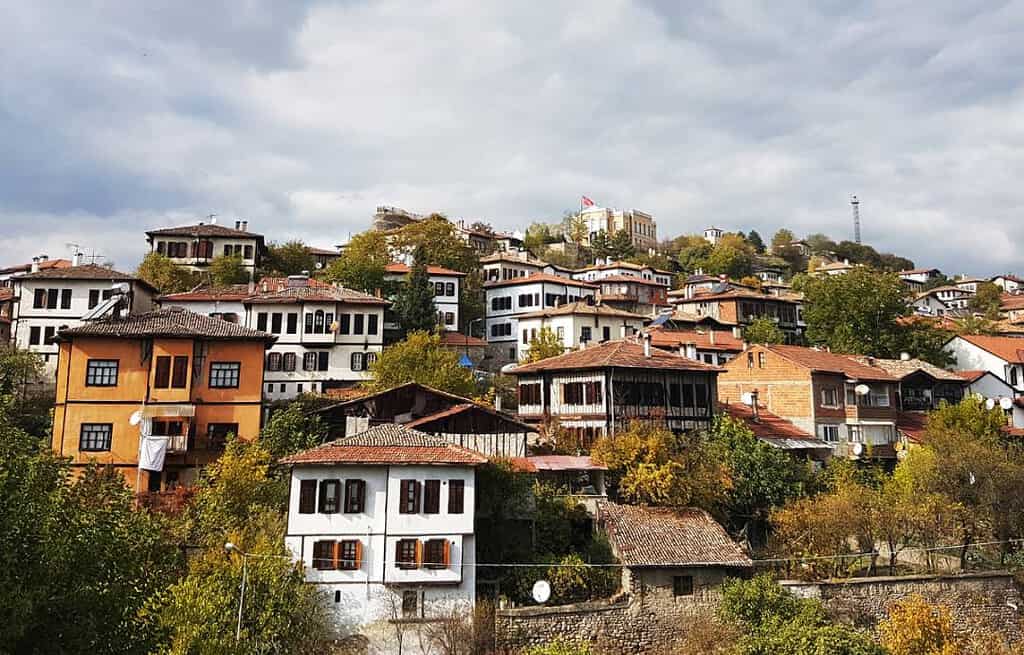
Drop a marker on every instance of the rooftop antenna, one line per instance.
(213, 219)
(856, 218)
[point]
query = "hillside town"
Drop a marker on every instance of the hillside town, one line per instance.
(440, 437)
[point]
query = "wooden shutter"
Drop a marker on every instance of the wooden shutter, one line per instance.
(359, 555)
(323, 555)
(336, 555)
(398, 553)
(447, 553)
(330, 490)
(307, 496)
(432, 497)
(162, 377)
(419, 553)
(456, 496)
(323, 360)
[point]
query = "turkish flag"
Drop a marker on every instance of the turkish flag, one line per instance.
(587, 202)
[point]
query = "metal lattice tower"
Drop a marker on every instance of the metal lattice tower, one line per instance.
(856, 218)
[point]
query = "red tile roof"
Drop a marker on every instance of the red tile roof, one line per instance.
(724, 340)
(172, 322)
(1011, 302)
(668, 537)
(827, 362)
(582, 307)
(541, 277)
(1010, 349)
(767, 425)
(912, 425)
(734, 294)
(43, 265)
(388, 444)
(432, 270)
(629, 279)
(208, 293)
(971, 376)
(83, 272)
(204, 230)
(614, 354)
(459, 340)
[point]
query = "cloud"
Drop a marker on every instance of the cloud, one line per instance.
(302, 118)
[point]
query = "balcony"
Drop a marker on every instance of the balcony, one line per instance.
(176, 443)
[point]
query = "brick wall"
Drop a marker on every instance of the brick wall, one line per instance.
(782, 386)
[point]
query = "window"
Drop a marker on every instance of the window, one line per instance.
(101, 373)
(292, 323)
(275, 323)
(323, 360)
(585, 333)
(682, 585)
(830, 397)
(409, 497)
(65, 298)
(217, 434)
(582, 393)
(39, 300)
(1013, 376)
(357, 323)
(51, 298)
(162, 374)
(273, 361)
(167, 427)
(829, 433)
(405, 556)
(34, 336)
(456, 496)
(179, 378)
(762, 360)
(369, 358)
(449, 288)
(449, 318)
(95, 437)
(409, 603)
(526, 337)
(674, 396)
(318, 322)
(344, 323)
(227, 250)
(355, 492)
(307, 496)
(438, 288)
(323, 555)
(309, 362)
(606, 333)
(224, 375)
(348, 555)
(435, 553)
(330, 496)
(247, 252)
(357, 361)
(750, 360)
(48, 334)
(502, 303)
(432, 497)
(309, 323)
(371, 324)
(261, 321)
(288, 362)
(529, 394)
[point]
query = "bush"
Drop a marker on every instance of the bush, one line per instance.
(560, 647)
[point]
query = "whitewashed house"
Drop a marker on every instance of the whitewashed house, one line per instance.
(917, 278)
(50, 299)
(610, 268)
(513, 264)
(942, 301)
(447, 286)
(507, 300)
(384, 524)
(989, 386)
(1001, 356)
(578, 324)
(195, 246)
(327, 336)
(1008, 283)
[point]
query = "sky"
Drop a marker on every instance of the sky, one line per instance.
(117, 117)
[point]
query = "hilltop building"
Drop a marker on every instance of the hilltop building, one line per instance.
(195, 246)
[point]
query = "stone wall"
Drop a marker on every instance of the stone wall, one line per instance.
(979, 602)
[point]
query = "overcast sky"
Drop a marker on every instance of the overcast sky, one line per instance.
(302, 118)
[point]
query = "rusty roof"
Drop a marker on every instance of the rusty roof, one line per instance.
(389, 443)
(771, 428)
(622, 353)
(171, 323)
(541, 277)
(206, 292)
(669, 537)
(827, 362)
(723, 339)
(1010, 349)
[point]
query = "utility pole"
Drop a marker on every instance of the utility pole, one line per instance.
(856, 218)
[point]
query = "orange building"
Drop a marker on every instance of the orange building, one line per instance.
(173, 373)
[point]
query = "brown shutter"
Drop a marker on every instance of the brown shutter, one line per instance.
(359, 555)
(456, 496)
(432, 497)
(307, 496)
(337, 555)
(447, 553)
(178, 380)
(398, 553)
(419, 553)
(416, 497)
(162, 376)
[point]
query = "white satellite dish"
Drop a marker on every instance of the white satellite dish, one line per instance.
(858, 449)
(747, 398)
(135, 418)
(862, 389)
(990, 404)
(508, 367)
(1005, 403)
(541, 591)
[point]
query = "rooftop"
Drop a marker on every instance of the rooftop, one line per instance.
(457, 339)
(723, 339)
(541, 277)
(84, 272)
(623, 353)
(773, 429)
(632, 279)
(584, 308)
(398, 267)
(172, 323)
(901, 368)
(389, 443)
(204, 230)
(827, 362)
(43, 265)
(1010, 349)
(668, 537)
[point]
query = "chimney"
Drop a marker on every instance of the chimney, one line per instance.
(623, 331)
(213, 220)
(647, 345)
(238, 225)
(245, 226)
(44, 258)
(904, 357)
(35, 264)
(497, 401)
(76, 259)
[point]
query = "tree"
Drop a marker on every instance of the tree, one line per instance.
(31, 405)
(414, 305)
(693, 253)
(289, 258)
(621, 246)
(763, 330)
(576, 228)
(481, 226)
(421, 358)
(856, 312)
(362, 263)
(731, 256)
(820, 243)
(916, 627)
(537, 236)
(987, 300)
(545, 344)
(291, 430)
(441, 245)
(783, 238)
(649, 465)
(165, 275)
(600, 246)
(228, 269)
(755, 240)
(924, 340)
(973, 324)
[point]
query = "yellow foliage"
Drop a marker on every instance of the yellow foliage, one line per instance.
(916, 627)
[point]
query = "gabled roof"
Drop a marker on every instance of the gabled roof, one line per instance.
(901, 368)
(84, 272)
(454, 339)
(469, 407)
(541, 277)
(1007, 276)
(668, 537)
(723, 340)
(826, 362)
(1011, 301)
(918, 271)
(389, 443)
(584, 308)
(626, 265)
(773, 429)
(170, 323)
(319, 292)
(201, 293)
(204, 230)
(734, 294)
(622, 353)
(43, 265)
(631, 279)
(1010, 349)
(398, 267)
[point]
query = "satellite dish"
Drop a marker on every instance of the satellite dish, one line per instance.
(541, 591)
(135, 418)
(1006, 403)
(862, 389)
(747, 398)
(858, 449)
(319, 265)
(990, 404)
(509, 367)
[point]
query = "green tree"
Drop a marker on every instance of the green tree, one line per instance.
(414, 305)
(620, 246)
(731, 256)
(441, 245)
(987, 300)
(973, 324)
(537, 236)
(289, 258)
(856, 312)
(782, 239)
(291, 430)
(600, 245)
(228, 269)
(763, 330)
(924, 340)
(31, 404)
(421, 358)
(755, 240)
(693, 253)
(820, 243)
(545, 344)
(575, 228)
(165, 275)
(362, 263)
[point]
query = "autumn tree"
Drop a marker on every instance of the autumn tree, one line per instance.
(289, 258)
(693, 252)
(913, 626)
(575, 227)
(362, 263)
(421, 358)
(165, 275)
(973, 324)
(731, 256)
(782, 238)
(987, 300)
(763, 330)
(292, 429)
(545, 344)
(228, 269)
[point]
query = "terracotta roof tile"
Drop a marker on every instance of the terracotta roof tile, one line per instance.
(768, 426)
(827, 362)
(668, 537)
(201, 293)
(723, 340)
(614, 354)
(901, 368)
(457, 339)
(278, 292)
(971, 376)
(172, 322)
(388, 444)
(912, 425)
(43, 265)
(1011, 302)
(1009, 348)
(629, 279)
(582, 307)
(432, 270)
(204, 230)
(541, 277)
(83, 272)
